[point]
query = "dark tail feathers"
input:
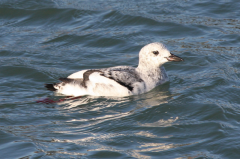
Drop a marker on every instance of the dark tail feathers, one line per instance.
(50, 87)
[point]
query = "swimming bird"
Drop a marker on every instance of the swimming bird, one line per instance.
(120, 80)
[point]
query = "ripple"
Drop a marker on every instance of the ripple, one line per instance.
(195, 115)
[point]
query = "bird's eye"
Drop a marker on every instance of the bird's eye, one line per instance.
(155, 52)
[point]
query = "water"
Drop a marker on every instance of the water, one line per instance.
(195, 115)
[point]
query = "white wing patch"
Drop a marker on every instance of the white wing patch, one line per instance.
(78, 74)
(99, 84)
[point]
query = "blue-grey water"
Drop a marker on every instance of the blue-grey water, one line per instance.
(194, 116)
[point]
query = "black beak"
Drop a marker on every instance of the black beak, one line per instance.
(173, 57)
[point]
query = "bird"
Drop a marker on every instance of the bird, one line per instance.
(120, 80)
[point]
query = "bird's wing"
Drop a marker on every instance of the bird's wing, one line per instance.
(111, 81)
(78, 74)
(123, 75)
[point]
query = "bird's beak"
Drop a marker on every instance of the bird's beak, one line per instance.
(173, 57)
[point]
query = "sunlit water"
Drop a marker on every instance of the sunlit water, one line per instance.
(195, 115)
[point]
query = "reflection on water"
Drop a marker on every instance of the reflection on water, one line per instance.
(195, 115)
(110, 110)
(94, 119)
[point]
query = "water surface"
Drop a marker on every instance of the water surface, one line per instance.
(195, 115)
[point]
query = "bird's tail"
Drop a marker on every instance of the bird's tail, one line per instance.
(50, 87)
(58, 86)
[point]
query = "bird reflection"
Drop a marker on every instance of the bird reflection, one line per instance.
(102, 119)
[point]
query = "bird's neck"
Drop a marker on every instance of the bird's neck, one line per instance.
(152, 76)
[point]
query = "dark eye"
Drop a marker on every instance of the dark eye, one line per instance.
(155, 52)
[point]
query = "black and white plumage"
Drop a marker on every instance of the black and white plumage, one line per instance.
(120, 80)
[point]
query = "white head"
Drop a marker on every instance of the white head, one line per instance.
(154, 55)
